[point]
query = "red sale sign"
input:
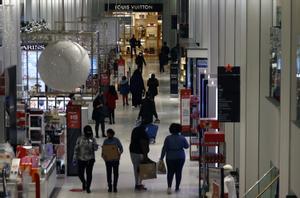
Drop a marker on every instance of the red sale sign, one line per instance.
(74, 117)
(185, 109)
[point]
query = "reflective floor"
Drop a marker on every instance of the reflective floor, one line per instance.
(168, 112)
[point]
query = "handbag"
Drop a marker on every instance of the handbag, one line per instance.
(161, 167)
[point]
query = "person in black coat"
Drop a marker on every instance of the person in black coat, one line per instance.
(148, 110)
(99, 114)
(165, 50)
(137, 88)
(140, 61)
(152, 84)
(161, 62)
(139, 149)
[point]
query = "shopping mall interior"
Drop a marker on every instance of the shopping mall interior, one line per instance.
(228, 74)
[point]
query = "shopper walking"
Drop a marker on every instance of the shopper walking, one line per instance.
(152, 84)
(132, 43)
(124, 90)
(140, 61)
(111, 98)
(137, 88)
(148, 110)
(173, 148)
(139, 149)
(165, 50)
(112, 165)
(161, 62)
(84, 157)
(99, 114)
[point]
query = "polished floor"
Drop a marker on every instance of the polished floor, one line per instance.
(168, 112)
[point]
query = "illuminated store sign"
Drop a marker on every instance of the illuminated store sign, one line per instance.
(134, 7)
(33, 47)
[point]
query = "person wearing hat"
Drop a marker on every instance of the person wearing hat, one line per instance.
(229, 183)
(84, 157)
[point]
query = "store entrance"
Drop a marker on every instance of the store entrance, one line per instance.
(144, 24)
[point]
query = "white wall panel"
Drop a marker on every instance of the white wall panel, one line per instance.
(252, 91)
(222, 31)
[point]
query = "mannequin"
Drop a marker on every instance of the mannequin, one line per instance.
(229, 183)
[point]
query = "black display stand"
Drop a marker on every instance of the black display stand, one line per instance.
(73, 132)
(174, 78)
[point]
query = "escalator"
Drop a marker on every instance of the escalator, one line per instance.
(266, 186)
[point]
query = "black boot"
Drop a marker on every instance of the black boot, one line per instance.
(109, 188)
(115, 188)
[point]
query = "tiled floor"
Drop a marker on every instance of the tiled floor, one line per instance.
(168, 111)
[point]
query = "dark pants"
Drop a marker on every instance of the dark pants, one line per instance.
(161, 67)
(174, 167)
(137, 98)
(111, 116)
(86, 166)
(98, 122)
(132, 49)
(125, 99)
(140, 68)
(112, 166)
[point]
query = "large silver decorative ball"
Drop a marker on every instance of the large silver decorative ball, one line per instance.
(64, 65)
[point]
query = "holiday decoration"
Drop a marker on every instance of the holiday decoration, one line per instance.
(64, 65)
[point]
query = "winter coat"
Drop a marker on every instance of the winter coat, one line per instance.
(152, 86)
(85, 149)
(124, 87)
(139, 143)
(99, 108)
(147, 111)
(111, 100)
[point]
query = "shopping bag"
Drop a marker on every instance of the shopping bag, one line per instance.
(151, 130)
(161, 167)
(147, 169)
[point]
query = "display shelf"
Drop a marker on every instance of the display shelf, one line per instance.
(36, 127)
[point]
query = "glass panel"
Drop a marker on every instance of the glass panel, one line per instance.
(262, 183)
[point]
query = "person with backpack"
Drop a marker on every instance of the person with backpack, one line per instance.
(124, 90)
(113, 164)
(84, 157)
(148, 110)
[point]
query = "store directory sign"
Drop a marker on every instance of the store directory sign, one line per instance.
(229, 94)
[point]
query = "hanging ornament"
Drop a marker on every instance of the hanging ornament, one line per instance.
(64, 65)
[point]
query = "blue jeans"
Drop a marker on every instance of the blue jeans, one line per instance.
(174, 167)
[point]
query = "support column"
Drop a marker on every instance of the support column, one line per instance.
(285, 102)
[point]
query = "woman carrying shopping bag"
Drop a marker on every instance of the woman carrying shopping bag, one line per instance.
(173, 148)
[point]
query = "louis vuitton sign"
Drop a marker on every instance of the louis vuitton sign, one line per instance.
(134, 7)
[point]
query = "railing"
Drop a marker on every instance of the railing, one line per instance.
(262, 188)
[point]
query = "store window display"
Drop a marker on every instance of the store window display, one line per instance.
(275, 56)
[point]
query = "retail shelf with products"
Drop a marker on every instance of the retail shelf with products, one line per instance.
(36, 127)
(55, 132)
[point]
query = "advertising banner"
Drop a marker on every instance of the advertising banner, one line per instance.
(185, 109)
(73, 132)
(229, 94)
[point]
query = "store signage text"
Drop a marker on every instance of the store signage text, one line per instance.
(134, 7)
(33, 47)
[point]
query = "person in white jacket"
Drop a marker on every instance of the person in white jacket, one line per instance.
(229, 183)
